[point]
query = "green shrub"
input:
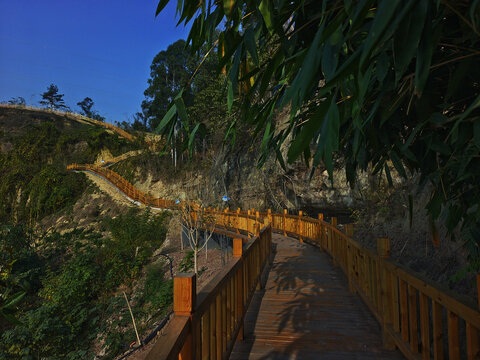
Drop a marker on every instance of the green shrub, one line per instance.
(186, 264)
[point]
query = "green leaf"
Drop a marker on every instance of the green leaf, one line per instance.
(191, 138)
(382, 67)
(424, 55)
(230, 96)
(228, 6)
(161, 5)
(10, 318)
(398, 164)
(308, 131)
(181, 110)
(266, 136)
(167, 118)
(250, 45)
(407, 37)
(453, 133)
(476, 133)
(265, 10)
(329, 61)
(386, 10)
(329, 138)
(14, 299)
(280, 159)
(389, 176)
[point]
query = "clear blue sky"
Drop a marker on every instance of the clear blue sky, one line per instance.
(96, 48)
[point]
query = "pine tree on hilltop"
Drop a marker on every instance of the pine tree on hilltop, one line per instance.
(86, 106)
(52, 99)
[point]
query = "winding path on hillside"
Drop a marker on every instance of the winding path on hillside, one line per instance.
(306, 312)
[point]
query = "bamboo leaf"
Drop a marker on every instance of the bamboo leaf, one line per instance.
(182, 111)
(389, 176)
(249, 40)
(167, 118)
(161, 5)
(266, 12)
(228, 6)
(386, 10)
(397, 163)
(308, 131)
(407, 37)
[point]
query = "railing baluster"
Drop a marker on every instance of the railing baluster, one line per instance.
(453, 343)
(424, 326)
(437, 331)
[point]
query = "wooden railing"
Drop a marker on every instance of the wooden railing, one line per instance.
(206, 325)
(125, 186)
(418, 317)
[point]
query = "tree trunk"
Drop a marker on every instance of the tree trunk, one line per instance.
(195, 253)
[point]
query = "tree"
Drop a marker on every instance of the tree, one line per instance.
(387, 83)
(86, 105)
(52, 99)
(17, 101)
(198, 224)
(169, 72)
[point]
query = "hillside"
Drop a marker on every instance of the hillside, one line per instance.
(65, 246)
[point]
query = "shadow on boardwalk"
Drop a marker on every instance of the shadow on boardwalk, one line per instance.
(307, 312)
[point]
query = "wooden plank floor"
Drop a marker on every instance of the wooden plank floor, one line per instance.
(307, 312)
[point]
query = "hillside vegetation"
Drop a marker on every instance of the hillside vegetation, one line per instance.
(60, 294)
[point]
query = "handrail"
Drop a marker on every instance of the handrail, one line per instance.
(206, 325)
(410, 309)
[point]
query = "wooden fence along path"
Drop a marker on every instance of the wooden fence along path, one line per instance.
(416, 316)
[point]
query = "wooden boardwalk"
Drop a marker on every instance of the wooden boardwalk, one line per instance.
(307, 312)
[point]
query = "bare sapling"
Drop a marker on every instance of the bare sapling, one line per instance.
(198, 224)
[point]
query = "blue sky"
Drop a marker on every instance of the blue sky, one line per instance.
(96, 48)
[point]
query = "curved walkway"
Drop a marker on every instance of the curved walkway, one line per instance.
(307, 312)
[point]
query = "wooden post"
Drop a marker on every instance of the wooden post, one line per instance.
(269, 216)
(238, 252)
(321, 230)
(237, 248)
(383, 247)
(257, 216)
(333, 243)
(478, 290)
(350, 269)
(300, 226)
(385, 292)
(238, 214)
(473, 348)
(284, 222)
(184, 294)
(184, 298)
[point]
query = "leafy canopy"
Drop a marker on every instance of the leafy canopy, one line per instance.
(388, 83)
(87, 109)
(52, 99)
